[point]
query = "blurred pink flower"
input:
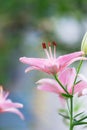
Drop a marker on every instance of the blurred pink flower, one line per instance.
(67, 78)
(84, 91)
(52, 65)
(6, 105)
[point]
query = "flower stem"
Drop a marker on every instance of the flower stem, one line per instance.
(61, 84)
(71, 98)
(71, 113)
(78, 69)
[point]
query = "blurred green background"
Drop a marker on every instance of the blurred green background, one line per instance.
(24, 25)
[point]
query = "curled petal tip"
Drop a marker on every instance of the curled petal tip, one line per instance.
(38, 87)
(26, 71)
(20, 59)
(37, 82)
(21, 116)
(21, 105)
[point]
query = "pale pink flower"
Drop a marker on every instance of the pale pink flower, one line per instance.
(84, 91)
(67, 78)
(51, 65)
(6, 105)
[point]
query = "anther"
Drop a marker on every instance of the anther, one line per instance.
(49, 44)
(44, 45)
(54, 43)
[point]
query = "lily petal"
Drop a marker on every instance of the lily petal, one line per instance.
(78, 88)
(67, 78)
(14, 110)
(49, 85)
(68, 57)
(32, 61)
(6, 105)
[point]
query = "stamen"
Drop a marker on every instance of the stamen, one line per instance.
(1, 91)
(49, 44)
(50, 50)
(44, 45)
(54, 43)
(46, 52)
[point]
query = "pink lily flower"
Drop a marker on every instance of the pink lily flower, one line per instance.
(52, 65)
(67, 78)
(6, 105)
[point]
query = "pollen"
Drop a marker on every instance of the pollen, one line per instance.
(49, 44)
(54, 43)
(44, 45)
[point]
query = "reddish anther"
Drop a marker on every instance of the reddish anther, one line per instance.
(44, 45)
(49, 44)
(54, 43)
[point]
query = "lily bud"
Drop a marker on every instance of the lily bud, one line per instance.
(84, 44)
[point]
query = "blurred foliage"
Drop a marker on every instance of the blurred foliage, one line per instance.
(39, 8)
(18, 15)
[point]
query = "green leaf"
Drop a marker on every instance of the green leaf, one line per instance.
(65, 116)
(79, 123)
(85, 117)
(66, 95)
(78, 114)
(62, 110)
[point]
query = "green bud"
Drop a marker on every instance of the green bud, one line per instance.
(84, 44)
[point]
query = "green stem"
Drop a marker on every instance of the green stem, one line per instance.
(61, 84)
(78, 69)
(71, 113)
(71, 98)
(68, 107)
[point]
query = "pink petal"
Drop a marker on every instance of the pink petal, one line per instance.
(9, 104)
(16, 111)
(72, 76)
(6, 105)
(32, 61)
(84, 92)
(67, 78)
(80, 86)
(82, 77)
(49, 85)
(34, 68)
(75, 59)
(35, 64)
(67, 58)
